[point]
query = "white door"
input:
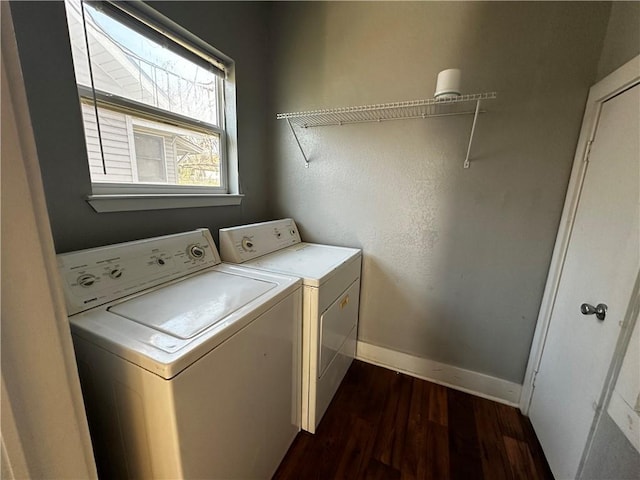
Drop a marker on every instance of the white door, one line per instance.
(601, 265)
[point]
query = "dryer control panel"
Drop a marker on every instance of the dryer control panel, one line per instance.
(99, 275)
(246, 242)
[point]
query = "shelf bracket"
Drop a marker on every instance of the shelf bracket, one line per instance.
(473, 128)
(306, 160)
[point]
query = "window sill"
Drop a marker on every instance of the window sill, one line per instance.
(133, 202)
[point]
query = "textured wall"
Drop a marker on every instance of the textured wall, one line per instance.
(455, 260)
(622, 41)
(45, 53)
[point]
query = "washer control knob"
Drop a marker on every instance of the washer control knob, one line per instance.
(160, 261)
(196, 252)
(247, 244)
(86, 280)
(115, 273)
(292, 232)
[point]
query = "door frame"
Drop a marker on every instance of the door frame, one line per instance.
(610, 86)
(43, 432)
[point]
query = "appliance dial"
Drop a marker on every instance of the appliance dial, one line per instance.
(115, 273)
(196, 252)
(86, 280)
(247, 244)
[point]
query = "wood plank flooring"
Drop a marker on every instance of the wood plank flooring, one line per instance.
(388, 426)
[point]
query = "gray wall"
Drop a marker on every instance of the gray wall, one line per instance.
(622, 41)
(612, 456)
(454, 260)
(237, 29)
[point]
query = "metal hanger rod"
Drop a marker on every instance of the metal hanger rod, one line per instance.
(473, 128)
(306, 161)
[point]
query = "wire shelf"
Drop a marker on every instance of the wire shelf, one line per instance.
(433, 107)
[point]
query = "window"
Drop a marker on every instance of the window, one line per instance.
(149, 155)
(153, 102)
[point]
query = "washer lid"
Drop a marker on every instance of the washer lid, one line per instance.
(143, 341)
(314, 263)
(185, 309)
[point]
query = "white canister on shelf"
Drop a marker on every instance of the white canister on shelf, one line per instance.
(448, 83)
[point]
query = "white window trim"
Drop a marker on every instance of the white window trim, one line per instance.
(127, 203)
(117, 197)
(154, 129)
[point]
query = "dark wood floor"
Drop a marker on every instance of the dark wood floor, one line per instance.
(388, 426)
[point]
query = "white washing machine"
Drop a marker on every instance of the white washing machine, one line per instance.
(189, 368)
(331, 292)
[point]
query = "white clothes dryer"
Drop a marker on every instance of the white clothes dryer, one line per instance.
(189, 367)
(331, 293)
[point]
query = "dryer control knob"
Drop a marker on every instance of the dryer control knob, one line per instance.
(247, 244)
(196, 252)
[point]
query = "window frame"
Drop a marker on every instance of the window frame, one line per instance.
(146, 196)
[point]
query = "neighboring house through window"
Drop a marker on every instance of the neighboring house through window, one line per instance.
(153, 102)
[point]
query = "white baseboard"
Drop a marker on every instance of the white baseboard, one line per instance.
(468, 381)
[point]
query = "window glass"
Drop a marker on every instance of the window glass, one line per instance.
(130, 65)
(151, 116)
(189, 157)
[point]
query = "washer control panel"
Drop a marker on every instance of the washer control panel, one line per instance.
(100, 275)
(244, 243)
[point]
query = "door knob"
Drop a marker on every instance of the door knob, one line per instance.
(600, 310)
